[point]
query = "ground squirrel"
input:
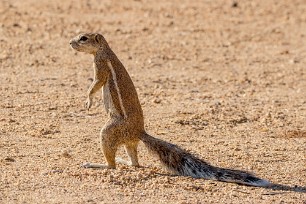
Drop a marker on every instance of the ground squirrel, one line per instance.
(125, 125)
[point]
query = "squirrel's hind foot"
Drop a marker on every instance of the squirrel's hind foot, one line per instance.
(129, 163)
(96, 166)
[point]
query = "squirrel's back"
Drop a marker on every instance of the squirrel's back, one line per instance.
(125, 88)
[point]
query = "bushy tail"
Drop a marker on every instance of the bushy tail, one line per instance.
(181, 162)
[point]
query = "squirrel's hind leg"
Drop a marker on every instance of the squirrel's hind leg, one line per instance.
(109, 146)
(131, 150)
(109, 154)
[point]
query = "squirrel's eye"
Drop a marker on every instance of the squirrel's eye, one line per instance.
(83, 38)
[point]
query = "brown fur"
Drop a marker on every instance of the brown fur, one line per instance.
(126, 124)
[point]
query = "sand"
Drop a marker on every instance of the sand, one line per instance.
(224, 80)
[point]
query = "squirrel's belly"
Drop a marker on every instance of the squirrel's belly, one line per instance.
(108, 102)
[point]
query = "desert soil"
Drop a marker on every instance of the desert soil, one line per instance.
(224, 80)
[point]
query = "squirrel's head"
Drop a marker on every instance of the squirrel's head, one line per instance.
(88, 42)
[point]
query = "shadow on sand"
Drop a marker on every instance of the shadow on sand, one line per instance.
(281, 187)
(274, 187)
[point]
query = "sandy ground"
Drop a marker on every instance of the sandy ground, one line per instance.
(224, 80)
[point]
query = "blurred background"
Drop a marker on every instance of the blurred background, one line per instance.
(223, 79)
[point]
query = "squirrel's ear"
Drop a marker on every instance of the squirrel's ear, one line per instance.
(99, 38)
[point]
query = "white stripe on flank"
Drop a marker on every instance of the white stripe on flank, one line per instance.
(117, 88)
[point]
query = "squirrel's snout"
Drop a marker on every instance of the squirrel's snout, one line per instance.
(73, 44)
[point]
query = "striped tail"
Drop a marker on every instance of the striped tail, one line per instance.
(181, 162)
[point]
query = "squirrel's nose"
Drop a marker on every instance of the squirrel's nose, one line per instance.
(70, 42)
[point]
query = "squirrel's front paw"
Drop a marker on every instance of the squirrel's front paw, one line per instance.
(88, 103)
